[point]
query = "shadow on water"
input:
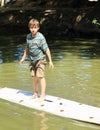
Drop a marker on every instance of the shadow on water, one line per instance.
(12, 47)
(83, 48)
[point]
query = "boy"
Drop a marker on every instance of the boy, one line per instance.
(37, 49)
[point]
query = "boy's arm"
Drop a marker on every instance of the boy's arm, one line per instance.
(24, 56)
(49, 58)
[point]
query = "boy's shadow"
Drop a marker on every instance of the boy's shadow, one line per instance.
(26, 93)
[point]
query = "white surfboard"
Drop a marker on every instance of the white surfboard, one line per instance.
(54, 105)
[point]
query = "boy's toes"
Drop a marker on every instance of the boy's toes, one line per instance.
(34, 97)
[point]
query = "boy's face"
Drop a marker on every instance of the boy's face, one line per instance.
(34, 29)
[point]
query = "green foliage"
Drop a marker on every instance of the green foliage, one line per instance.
(95, 21)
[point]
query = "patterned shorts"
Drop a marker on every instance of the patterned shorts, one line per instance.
(38, 68)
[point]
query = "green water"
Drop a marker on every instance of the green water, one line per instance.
(76, 77)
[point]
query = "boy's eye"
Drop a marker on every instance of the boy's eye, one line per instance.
(34, 27)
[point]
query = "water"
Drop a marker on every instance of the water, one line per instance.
(76, 77)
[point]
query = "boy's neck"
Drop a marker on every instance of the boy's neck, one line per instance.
(35, 35)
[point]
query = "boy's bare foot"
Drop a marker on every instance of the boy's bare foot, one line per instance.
(41, 99)
(34, 96)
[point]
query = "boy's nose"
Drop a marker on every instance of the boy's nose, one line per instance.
(32, 30)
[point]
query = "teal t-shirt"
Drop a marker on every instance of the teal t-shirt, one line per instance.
(37, 46)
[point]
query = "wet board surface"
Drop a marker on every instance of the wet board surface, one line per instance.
(54, 105)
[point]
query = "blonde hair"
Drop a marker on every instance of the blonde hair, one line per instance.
(34, 22)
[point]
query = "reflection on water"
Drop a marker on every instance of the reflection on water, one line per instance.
(11, 48)
(44, 120)
(75, 77)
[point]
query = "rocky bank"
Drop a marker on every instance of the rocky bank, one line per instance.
(58, 19)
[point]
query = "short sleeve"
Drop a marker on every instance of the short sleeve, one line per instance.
(44, 44)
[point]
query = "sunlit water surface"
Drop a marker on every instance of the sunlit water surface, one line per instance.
(76, 76)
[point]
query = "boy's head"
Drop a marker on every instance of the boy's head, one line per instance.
(34, 26)
(34, 23)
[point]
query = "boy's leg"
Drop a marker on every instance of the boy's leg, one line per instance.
(40, 73)
(36, 83)
(43, 88)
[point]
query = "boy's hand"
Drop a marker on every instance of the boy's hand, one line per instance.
(21, 61)
(51, 65)
(24, 56)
